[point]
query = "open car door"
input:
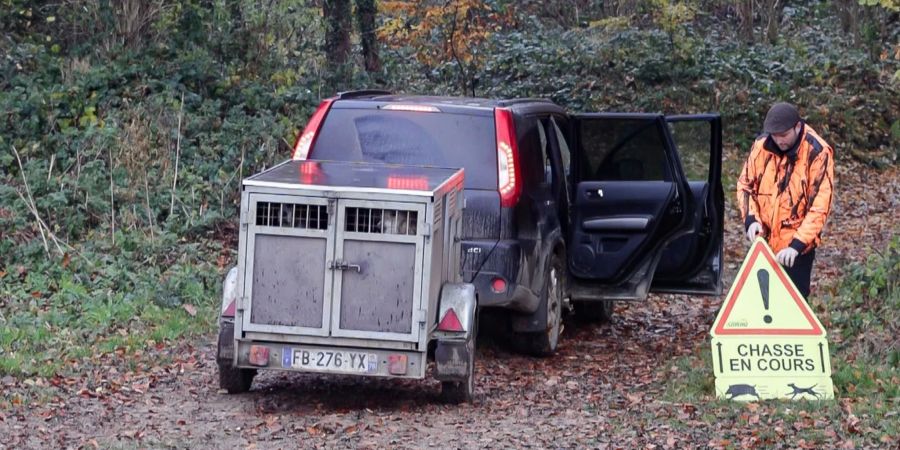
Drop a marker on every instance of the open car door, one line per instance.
(631, 200)
(692, 264)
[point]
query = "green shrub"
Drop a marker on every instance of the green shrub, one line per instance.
(865, 309)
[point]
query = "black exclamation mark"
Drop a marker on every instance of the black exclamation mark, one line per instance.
(762, 275)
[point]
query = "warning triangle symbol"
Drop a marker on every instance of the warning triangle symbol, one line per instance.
(764, 302)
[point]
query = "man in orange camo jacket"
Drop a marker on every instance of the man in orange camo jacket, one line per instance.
(785, 190)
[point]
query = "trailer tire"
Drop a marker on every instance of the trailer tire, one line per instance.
(545, 343)
(233, 379)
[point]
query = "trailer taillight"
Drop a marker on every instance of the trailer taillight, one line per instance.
(508, 175)
(450, 322)
(308, 137)
(407, 183)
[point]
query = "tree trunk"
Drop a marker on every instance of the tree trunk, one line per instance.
(745, 13)
(850, 14)
(337, 34)
(365, 15)
(774, 9)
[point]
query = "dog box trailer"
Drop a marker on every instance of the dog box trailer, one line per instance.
(349, 268)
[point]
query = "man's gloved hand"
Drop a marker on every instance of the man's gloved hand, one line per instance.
(786, 257)
(754, 229)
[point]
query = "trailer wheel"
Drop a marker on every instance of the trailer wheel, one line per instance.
(545, 343)
(456, 392)
(232, 379)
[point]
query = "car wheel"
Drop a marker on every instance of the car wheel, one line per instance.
(545, 343)
(594, 311)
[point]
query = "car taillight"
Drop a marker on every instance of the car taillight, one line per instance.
(308, 137)
(450, 322)
(508, 176)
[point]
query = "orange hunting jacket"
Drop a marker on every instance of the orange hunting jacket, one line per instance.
(790, 192)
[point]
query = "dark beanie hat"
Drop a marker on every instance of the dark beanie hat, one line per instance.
(780, 118)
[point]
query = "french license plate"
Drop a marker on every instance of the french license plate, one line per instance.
(330, 360)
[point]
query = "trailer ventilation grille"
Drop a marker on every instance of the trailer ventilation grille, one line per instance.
(451, 201)
(381, 221)
(438, 212)
(289, 215)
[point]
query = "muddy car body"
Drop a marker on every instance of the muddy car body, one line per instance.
(561, 209)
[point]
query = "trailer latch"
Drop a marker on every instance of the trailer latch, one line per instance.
(344, 265)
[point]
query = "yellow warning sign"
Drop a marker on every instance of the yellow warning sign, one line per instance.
(766, 341)
(764, 301)
(771, 356)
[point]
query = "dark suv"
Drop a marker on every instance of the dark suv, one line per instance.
(560, 209)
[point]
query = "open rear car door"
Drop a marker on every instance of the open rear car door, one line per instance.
(648, 207)
(631, 200)
(692, 264)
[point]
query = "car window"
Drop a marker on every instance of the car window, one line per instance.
(692, 140)
(564, 152)
(545, 158)
(623, 150)
(412, 138)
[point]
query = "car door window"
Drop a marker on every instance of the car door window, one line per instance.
(692, 138)
(624, 150)
(545, 159)
(564, 151)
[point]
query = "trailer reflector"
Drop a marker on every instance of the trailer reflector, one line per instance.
(397, 364)
(450, 322)
(259, 355)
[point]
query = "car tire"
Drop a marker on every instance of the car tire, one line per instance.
(457, 392)
(545, 343)
(594, 311)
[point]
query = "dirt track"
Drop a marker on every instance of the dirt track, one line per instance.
(605, 388)
(582, 398)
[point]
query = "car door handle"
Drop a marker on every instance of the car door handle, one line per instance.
(636, 223)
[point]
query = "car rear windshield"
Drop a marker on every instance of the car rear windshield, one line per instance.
(412, 138)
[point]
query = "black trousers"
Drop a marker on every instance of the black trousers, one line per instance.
(801, 272)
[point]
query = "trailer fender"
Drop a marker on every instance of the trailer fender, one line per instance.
(225, 348)
(459, 297)
(454, 352)
(229, 293)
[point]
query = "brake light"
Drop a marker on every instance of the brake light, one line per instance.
(310, 172)
(413, 108)
(308, 136)
(407, 183)
(508, 176)
(450, 322)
